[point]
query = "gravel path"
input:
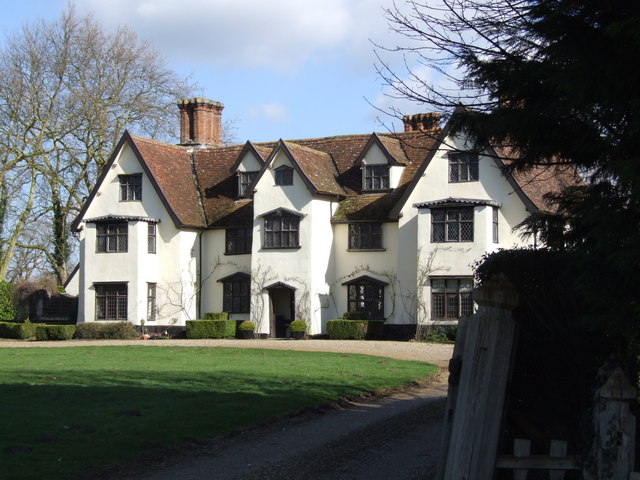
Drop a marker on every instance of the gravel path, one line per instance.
(395, 436)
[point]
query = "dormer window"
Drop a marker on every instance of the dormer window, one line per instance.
(376, 177)
(245, 179)
(284, 175)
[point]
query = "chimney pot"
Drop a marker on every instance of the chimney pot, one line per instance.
(200, 121)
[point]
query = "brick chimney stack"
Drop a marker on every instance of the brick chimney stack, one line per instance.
(200, 121)
(421, 122)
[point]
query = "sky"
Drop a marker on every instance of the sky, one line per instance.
(283, 68)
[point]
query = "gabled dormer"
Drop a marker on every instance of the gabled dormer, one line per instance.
(382, 162)
(246, 168)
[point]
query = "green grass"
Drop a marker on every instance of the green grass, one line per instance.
(67, 410)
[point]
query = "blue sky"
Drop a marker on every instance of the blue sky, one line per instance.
(283, 68)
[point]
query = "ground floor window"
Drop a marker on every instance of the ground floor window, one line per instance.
(111, 301)
(451, 298)
(366, 294)
(236, 293)
(151, 302)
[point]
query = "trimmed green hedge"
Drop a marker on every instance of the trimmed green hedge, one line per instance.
(7, 309)
(216, 316)
(106, 331)
(343, 329)
(55, 332)
(211, 328)
(17, 330)
(355, 315)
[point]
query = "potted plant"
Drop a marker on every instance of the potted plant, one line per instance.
(247, 328)
(144, 333)
(298, 329)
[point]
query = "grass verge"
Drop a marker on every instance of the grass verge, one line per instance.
(68, 410)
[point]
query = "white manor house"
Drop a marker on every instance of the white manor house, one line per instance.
(308, 229)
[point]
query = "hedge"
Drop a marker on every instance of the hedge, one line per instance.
(17, 330)
(341, 329)
(355, 315)
(55, 332)
(211, 328)
(106, 331)
(216, 316)
(7, 309)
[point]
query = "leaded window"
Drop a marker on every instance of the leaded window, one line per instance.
(365, 236)
(495, 224)
(244, 181)
(281, 230)
(238, 241)
(463, 167)
(367, 296)
(112, 237)
(111, 301)
(284, 175)
(451, 298)
(236, 294)
(151, 238)
(376, 177)
(151, 302)
(130, 187)
(452, 224)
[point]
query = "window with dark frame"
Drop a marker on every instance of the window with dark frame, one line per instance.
(151, 238)
(495, 224)
(112, 237)
(451, 298)
(130, 187)
(365, 236)
(281, 230)
(238, 241)
(463, 167)
(244, 181)
(366, 296)
(376, 177)
(111, 301)
(237, 294)
(284, 175)
(151, 302)
(452, 224)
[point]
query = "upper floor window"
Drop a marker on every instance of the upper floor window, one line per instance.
(238, 241)
(111, 301)
(376, 177)
(365, 236)
(244, 181)
(452, 224)
(495, 224)
(112, 237)
(236, 293)
(451, 298)
(284, 175)
(463, 167)
(281, 230)
(130, 187)
(151, 238)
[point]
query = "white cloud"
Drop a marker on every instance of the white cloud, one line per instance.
(272, 112)
(276, 34)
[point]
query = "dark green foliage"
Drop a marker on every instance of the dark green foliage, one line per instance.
(105, 331)
(247, 326)
(298, 326)
(355, 315)
(17, 330)
(7, 309)
(437, 333)
(216, 316)
(55, 332)
(341, 329)
(211, 328)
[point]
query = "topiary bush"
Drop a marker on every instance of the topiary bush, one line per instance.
(341, 329)
(298, 326)
(247, 326)
(18, 331)
(7, 308)
(55, 332)
(106, 331)
(211, 328)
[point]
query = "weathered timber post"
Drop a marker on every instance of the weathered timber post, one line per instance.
(475, 409)
(612, 456)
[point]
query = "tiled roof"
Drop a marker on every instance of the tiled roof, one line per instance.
(318, 167)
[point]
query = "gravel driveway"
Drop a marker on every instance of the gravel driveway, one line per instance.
(396, 436)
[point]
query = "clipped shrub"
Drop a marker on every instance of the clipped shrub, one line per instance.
(105, 331)
(7, 309)
(355, 315)
(18, 331)
(341, 329)
(55, 332)
(247, 326)
(216, 316)
(298, 326)
(211, 328)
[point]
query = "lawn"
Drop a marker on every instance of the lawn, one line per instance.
(68, 410)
